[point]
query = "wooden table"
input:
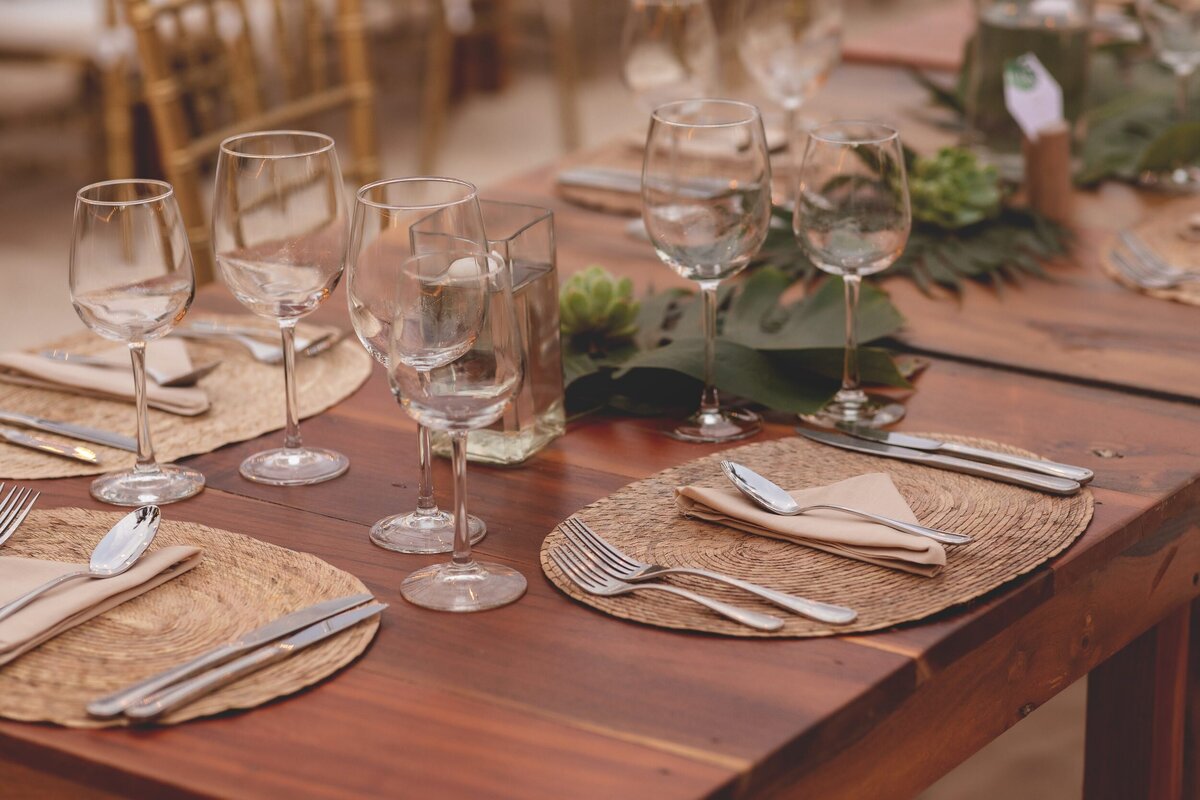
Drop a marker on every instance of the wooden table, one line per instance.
(546, 698)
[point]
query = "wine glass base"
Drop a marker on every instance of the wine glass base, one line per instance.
(422, 533)
(167, 483)
(294, 466)
(1183, 180)
(867, 415)
(722, 425)
(476, 586)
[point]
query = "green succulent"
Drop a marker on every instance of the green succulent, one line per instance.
(953, 190)
(595, 307)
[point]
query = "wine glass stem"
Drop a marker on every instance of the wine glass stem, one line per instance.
(462, 535)
(425, 502)
(1182, 77)
(291, 436)
(709, 400)
(850, 377)
(145, 449)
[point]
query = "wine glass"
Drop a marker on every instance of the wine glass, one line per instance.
(131, 281)
(706, 202)
(852, 218)
(455, 356)
(393, 220)
(668, 50)
(279, 232)
(789, 47)
(1173, 27)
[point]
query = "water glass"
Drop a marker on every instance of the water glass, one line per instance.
(669, 50)
(132, 281)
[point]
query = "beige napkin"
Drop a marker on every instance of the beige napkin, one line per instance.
(171, 355)
(79, 600)
(831, 531)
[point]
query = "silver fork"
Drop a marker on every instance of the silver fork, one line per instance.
(627, 568)
(581, 570)
(262, 351)
(15, 506)
(1148, 268)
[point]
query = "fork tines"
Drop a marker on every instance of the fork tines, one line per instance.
(15, 506)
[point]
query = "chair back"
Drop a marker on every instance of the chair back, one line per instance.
(216, 68)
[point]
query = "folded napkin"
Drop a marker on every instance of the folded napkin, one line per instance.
(79, 600)
(831, 531)
(167, 354)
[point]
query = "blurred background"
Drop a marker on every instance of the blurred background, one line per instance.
(476, 89)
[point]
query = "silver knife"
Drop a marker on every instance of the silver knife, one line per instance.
(1032, 480)
(70, 430)
(1071, 473)
(630, 182)
(115, 704)
(23, 439)
(193, 688)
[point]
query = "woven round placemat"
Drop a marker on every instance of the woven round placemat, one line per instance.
(1160, 232)
(1015, 530)
(246, 396)
(240, 584)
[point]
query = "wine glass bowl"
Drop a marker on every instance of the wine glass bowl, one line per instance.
(852, 219)
(393, 220)
(789, 48)
(669, 50)
(1173, 28)
(279, 235)
(456, 360)
(706, 204)
(132, 281)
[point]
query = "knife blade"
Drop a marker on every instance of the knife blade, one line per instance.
(630, 182)
(1068, 471)
(200, 685)
(1032, 480)
(23, 439)
(70, 430)
(114, 704)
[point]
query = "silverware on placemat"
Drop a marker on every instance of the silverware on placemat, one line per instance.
(1068, 471)
(114, 704)
(630, 182)
(119, 550)
(158, 376)
(1147, 268)
(190, 689)
(1031, 480)
(22, 439)
(15, 506)
(622, 566)
(584, 571)
(774, 498)
(265, 352)
(70, 430)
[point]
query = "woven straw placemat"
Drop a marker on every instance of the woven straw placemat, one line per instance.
(246, 395)
(1015, 530)
(1160, 232)
(240, 583)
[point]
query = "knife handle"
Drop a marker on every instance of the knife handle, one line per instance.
(1071, 473)
(114, 704)
(193, 688)
(1032, 480)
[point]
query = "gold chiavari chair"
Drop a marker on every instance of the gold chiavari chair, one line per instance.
(209, 72)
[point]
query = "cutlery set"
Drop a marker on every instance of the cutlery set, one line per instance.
(1138, 263)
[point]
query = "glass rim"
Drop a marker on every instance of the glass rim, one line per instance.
(406, 266)
(885, 133)
(227, 149)
(166, 191)
(361, 195)
(753, 113)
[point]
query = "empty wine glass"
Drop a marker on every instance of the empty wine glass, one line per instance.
(131, 281)
(789, 47)
(393, 220)
(279, 232)
(706, 202)
(455, 356)
(852, 218)
(668, 50)
(1173, 27)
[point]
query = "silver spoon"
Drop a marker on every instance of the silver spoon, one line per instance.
(119, 550)
(773, 498)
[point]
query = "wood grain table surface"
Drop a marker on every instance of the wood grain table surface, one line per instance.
(546, 698)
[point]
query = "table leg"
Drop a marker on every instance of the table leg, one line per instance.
(1135, 716)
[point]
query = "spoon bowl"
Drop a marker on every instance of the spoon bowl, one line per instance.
(119, 550)
(774, 498)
